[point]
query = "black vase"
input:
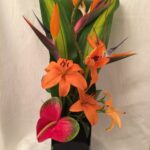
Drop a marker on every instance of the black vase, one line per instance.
(81, 142)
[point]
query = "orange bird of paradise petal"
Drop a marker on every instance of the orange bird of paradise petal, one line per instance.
(119, 56)
(112, 112)
(65, 73)
(88, 105)
(75, 2)
(55, 22)
(94, 4)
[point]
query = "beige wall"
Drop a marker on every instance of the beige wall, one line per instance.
(23, 57)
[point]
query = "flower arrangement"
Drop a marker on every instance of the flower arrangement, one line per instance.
(77, 35)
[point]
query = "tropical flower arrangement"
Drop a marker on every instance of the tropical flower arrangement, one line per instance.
(76, 36)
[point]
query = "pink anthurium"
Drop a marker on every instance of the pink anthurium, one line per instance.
(51, 125)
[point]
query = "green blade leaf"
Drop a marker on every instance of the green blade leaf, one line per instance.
(65, 41)
(43, 27)
(102, 26)
(89, 17)
(47, 42)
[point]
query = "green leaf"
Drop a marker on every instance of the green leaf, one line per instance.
(65, 41)
(102, 26)
(53, 91)
(89, 17)
(47, 42)
(97, 93)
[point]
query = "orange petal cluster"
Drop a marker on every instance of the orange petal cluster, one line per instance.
(65, 73)
(88, 105)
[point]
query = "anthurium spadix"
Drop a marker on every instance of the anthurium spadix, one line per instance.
(96, 8)
(51, 125)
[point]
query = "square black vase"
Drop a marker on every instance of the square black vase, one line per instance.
(81, 142)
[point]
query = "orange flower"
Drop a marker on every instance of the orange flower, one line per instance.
(88, 105)
(66, 73)
(55, 21)
(113, 113)
(97, 58)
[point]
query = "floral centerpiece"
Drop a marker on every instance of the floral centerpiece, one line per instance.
(76, 36)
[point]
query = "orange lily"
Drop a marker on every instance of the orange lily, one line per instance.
(113, 113)
(66, 73)
(97, 58)
(55, 22)
(88, 105)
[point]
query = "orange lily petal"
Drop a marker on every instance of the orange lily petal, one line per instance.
(97, 107)
(50, 79)
(90, 114)
(94, 76)
(114, 117)
(64, 88)
(117, 119)
(112, 125)
(52, 65)
(63, 61)
(76, 107)
(75, 68)
(94, 4)
(77, 80)
(55, 21)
